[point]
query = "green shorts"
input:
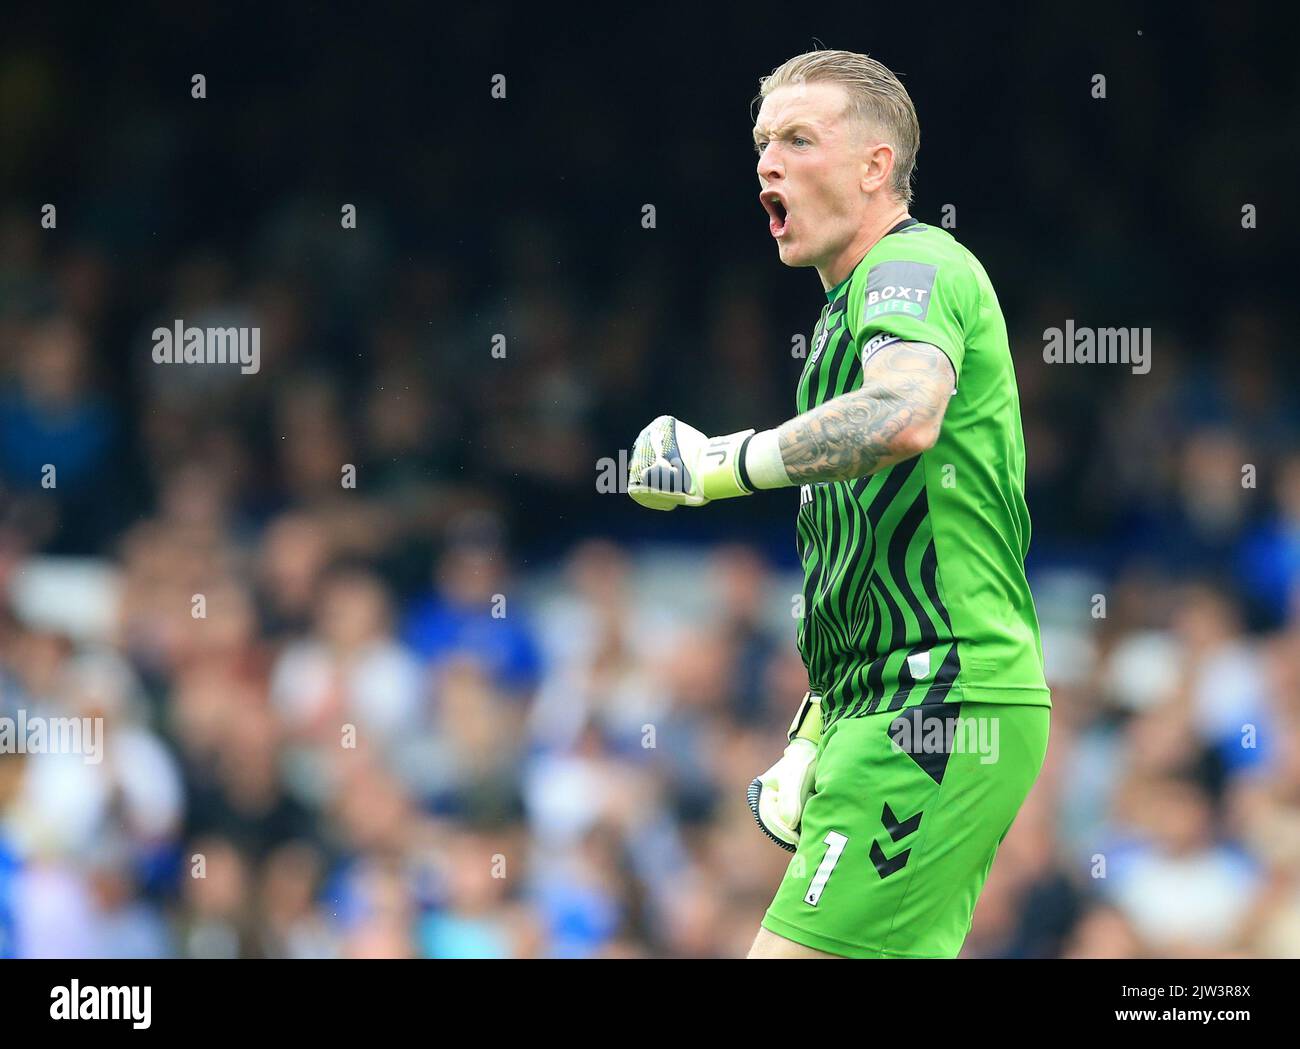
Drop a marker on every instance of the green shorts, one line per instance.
(907, 811)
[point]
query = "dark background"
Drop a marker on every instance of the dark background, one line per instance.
(480, 216)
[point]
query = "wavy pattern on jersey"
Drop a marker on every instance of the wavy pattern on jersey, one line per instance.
(812, 543)
(871, 590)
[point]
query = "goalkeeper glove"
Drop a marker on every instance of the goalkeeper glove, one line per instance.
(674, 465)
(777, 797)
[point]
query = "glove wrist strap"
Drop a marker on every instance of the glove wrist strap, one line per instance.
(721, 467)
(739, 463)
(807, 723)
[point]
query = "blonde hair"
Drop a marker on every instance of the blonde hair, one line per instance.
(876, 96)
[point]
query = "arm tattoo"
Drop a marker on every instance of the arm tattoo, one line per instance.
(904, 393)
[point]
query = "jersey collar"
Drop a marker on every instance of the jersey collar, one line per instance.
(899, 227)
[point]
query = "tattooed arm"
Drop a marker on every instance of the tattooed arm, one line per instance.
(895, 415)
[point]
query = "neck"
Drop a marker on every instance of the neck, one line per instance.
(867, 237)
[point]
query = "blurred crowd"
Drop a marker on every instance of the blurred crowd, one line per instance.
(385, 670)
(360, 721)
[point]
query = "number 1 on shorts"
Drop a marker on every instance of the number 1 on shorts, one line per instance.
(835, 842)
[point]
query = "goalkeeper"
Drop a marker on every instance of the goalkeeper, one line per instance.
(926, 722)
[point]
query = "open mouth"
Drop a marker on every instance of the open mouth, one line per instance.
(777, 213)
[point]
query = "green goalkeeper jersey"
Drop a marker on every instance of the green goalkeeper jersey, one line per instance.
(914, 578)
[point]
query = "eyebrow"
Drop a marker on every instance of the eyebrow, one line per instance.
(782, 129)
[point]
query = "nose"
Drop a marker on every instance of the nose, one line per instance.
(768, 166)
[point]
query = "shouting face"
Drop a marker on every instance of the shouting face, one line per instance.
(818, 168)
